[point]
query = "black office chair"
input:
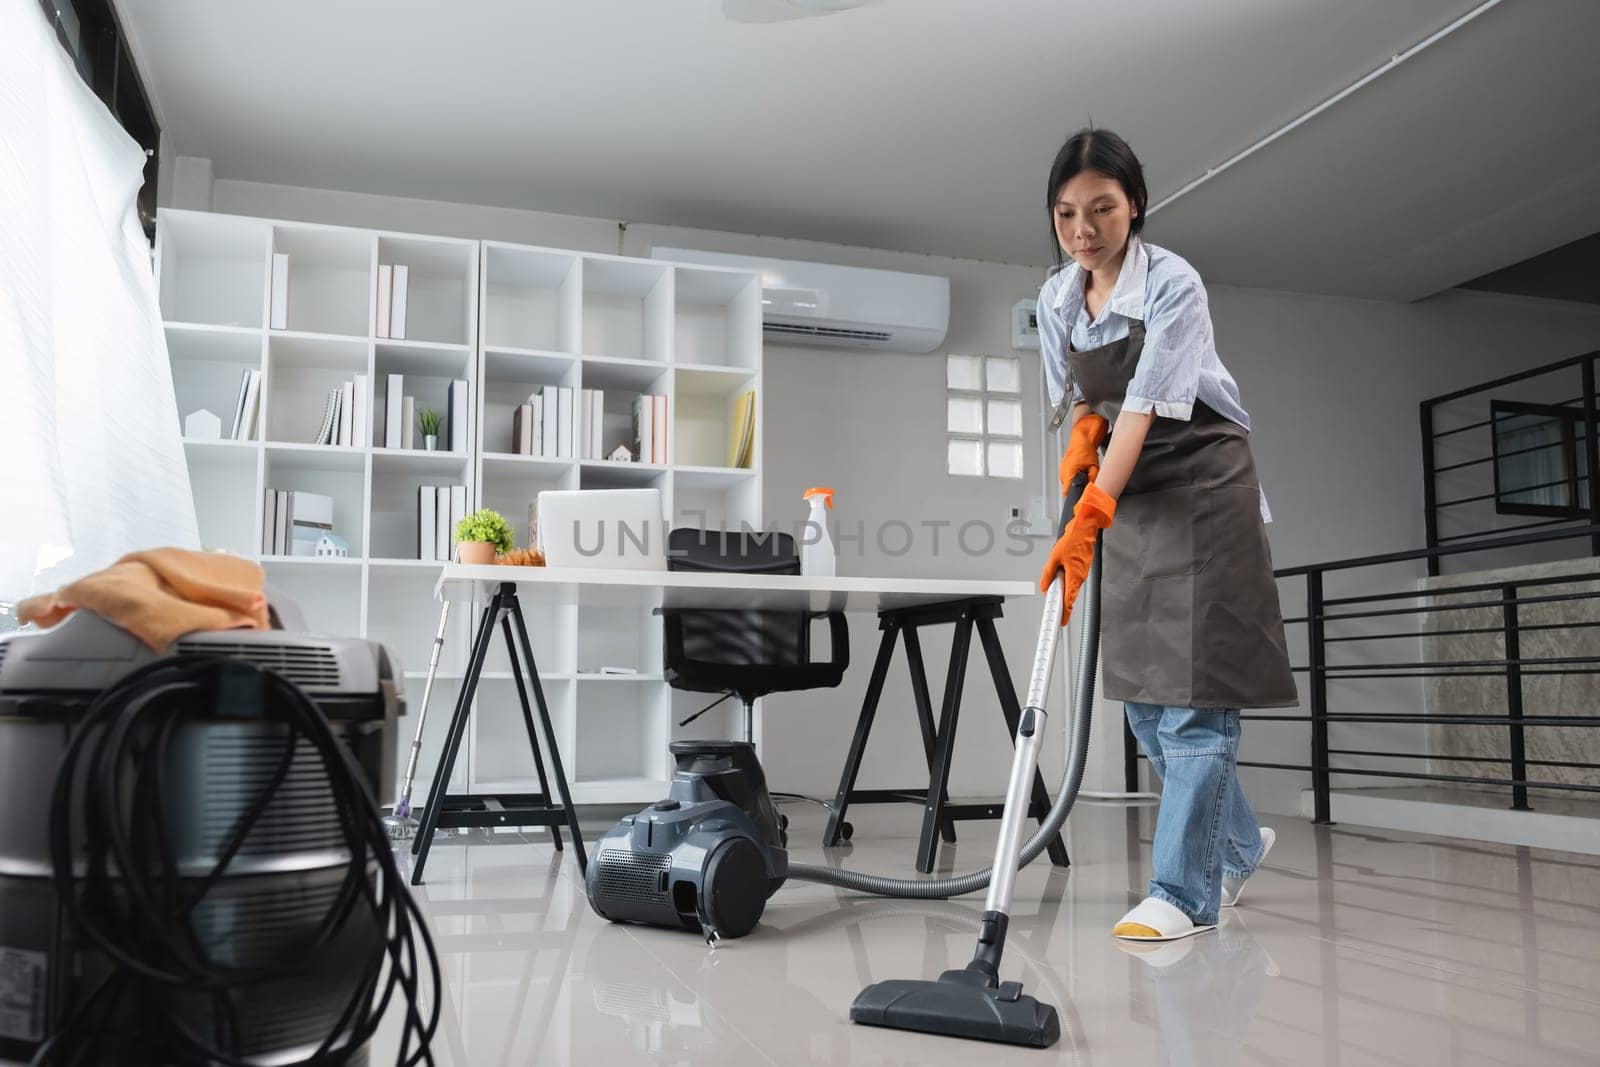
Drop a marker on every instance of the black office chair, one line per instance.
(744, 653)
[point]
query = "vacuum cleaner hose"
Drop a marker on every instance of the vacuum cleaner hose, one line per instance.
(1077, 756)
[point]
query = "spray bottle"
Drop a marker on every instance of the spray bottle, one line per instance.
(816, 547)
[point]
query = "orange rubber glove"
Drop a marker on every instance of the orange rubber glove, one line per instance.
(1082, 453)
(1074, 552)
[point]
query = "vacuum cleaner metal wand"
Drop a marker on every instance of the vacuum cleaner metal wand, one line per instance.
(1030, 734)
(400, 823)
(972, 1002)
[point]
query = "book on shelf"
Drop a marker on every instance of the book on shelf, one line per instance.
(441, 523)
(280, 526)
(426, 523)
(408, 422)
(280, 291)
(456, 413)
(585, 423)
(565, 416)
(548, 409)
(238, 404)
(660, 426)
(380, 325)
(536, 429)
(596, 422)
(249, 403)
(522, 430)
(363, 418)
(347, 414)
(644, 429)
(741, 438)
(330, 417)
(392, 393)
(310, 516)
(269, 520)
(397, 303)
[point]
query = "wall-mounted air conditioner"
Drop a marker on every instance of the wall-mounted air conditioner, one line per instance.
(840, 307)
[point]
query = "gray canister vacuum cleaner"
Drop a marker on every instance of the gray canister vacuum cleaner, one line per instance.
(709, 856)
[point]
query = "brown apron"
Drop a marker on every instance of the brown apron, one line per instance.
(1189, 607)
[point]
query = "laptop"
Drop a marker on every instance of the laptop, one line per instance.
(621, 529)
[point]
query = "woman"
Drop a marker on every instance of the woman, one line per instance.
(1191, 630)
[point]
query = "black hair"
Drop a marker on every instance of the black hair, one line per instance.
(1104, 153)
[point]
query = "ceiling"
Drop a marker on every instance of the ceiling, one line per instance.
(923, 125)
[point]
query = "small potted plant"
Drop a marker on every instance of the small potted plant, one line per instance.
(429, 419)
(480, 535)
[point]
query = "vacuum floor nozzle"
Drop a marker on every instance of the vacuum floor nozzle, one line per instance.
(959, 1004)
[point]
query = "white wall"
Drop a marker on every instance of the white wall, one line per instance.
(1332, 386)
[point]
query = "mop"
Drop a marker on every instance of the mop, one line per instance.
(400, 823)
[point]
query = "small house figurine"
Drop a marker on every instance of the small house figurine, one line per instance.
(201, 425)
(621, 454)
(331, 546)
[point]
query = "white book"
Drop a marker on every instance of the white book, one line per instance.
(380, 325)
(576, 428)
(238, 405)
(425, 523)
(441, 526)
(408, 422)
(363, 419)
(245, 424)
(280, 290)
(280, 528)
(660, 426)
(585, 415)
(458, 511)
(391, 410)
(597, 425)
(564, 436)
(347, 414)
(269, 520)
(457, 414)
(547, 422)
(397, 303)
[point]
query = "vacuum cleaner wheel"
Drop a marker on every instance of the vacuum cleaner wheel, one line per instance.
(735, 887)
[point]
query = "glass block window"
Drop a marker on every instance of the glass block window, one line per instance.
(983, 415)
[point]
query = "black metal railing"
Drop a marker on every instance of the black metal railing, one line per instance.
(1349, 638)
(1464, 459)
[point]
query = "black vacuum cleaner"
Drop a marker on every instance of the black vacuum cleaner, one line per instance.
(709, 856)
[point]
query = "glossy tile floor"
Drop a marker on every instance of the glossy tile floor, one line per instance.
(1351, 947)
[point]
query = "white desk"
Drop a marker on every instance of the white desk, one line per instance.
(691, 589)
(902, 605)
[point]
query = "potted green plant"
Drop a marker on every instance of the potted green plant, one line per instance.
(480, 535)
(429, 419)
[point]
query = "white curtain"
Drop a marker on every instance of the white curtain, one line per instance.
(91, 459)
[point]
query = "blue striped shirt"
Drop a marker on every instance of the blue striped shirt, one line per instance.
(1179, 363)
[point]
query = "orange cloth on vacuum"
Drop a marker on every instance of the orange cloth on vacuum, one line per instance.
(161, 594)
(1074, 552)
(1083, 449)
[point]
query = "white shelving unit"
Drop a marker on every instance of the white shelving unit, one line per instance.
(626, 326)
(215, 287)
(506, 318)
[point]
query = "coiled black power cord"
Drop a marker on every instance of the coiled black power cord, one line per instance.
(132, 903)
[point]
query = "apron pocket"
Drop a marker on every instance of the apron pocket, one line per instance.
(1173, 531)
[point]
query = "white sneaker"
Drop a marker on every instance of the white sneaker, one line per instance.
(1231, 886)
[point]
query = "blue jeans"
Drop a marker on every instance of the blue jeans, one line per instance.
(1205, 828)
